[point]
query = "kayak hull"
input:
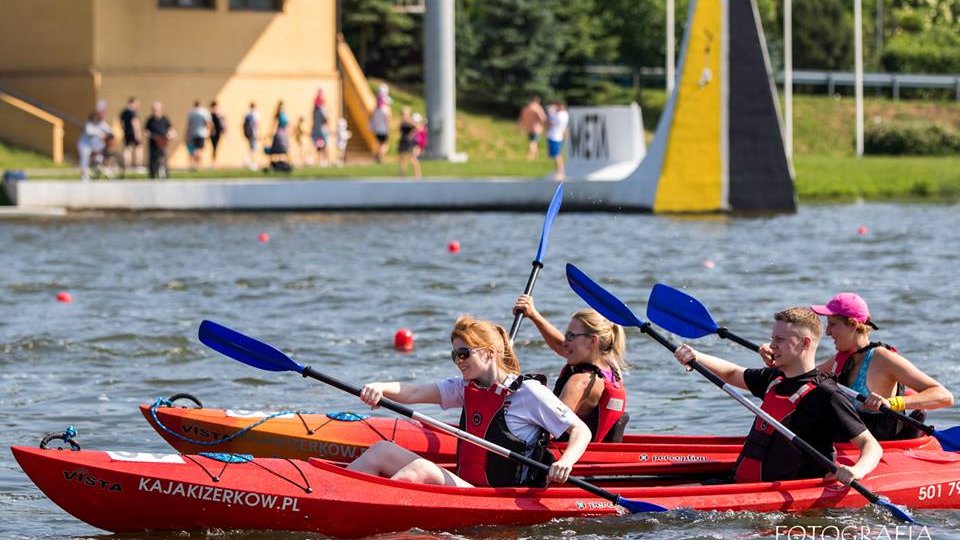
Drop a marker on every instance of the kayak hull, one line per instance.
(311, 435)
(122, 492)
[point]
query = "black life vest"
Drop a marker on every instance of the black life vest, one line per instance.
(768, 456)
(607, 420)
(483, 416)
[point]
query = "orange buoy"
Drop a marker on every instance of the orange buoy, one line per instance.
(453, 246)
(403, 340)
(862, 230)
(64, 297)
(263, 237)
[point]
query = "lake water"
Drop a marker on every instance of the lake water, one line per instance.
(331, 290)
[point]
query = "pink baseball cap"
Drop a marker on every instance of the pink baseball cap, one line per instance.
(847, 304)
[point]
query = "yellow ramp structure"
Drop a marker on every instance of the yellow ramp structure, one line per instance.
(358, 99)
(719, 144)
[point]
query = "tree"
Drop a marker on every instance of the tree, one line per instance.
(822, 34)
(387, 43)
(518, 46)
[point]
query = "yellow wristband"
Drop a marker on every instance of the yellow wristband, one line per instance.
(897, 404)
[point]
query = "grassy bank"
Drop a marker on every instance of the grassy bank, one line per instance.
(826, 167)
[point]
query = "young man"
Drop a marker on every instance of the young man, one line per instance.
(532, 120)
(799, 397)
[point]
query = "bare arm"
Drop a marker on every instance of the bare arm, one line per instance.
(728, 371)
(550, 333)
(400, 392)
(580, 437)
(870, 454)
(930, 393)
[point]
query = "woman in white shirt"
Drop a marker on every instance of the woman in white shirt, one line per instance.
(498, 404)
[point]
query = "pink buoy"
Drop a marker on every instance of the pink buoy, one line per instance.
(403, 340)
(263, 237)
(862, 230)
(64, 297)
(708, 264)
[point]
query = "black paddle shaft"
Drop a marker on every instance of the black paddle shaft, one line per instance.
(518, 317)
(410, 413)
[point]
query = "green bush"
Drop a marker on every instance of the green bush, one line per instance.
(919, 139)
(933, 51)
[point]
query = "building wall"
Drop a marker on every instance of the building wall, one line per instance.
(135, 48)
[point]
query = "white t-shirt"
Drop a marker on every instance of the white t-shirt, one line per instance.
(531, 408)
(378, 121)
(558, 125)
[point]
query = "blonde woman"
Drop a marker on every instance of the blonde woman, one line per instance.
(591, 382)
(498, 404)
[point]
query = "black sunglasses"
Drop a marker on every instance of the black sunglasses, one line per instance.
(570, 336)
(459, 355)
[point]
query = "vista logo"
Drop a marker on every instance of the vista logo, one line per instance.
(83, 477)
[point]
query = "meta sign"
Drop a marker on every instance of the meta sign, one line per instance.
(604, 143)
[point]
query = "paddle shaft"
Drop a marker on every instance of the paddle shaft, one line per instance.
(850, 392)
(732, 391)
(518, 317)
(460, 434)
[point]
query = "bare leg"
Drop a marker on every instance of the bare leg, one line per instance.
(389, 460)
(532, 151)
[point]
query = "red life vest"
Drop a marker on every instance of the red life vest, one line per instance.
(606, 420)
(767, 455)
(483, 416)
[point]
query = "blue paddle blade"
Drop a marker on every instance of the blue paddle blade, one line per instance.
(599, 299)
(895, 509)
(949, 438)
(245, 349)
(679, 312)
(636, 507)
(548, 222)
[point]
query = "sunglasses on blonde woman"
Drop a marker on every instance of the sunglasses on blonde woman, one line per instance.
(570, 336)
(459, 355)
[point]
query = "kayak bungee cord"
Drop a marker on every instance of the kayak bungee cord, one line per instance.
(616, 311)
(685, 316)
(342, 416)
(260, 355)
(538, 259)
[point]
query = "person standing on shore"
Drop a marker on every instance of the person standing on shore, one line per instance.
(251, 132)
(557, 120)
(218, 127)
(159, 132)
(532, 119)
(380, 126)
(132, 136)
(198, 129)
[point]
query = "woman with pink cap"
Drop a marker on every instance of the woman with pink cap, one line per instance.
(876, 370)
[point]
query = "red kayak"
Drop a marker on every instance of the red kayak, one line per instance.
(129, 492)
(341, 437)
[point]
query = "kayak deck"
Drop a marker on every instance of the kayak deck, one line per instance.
(342, 437)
